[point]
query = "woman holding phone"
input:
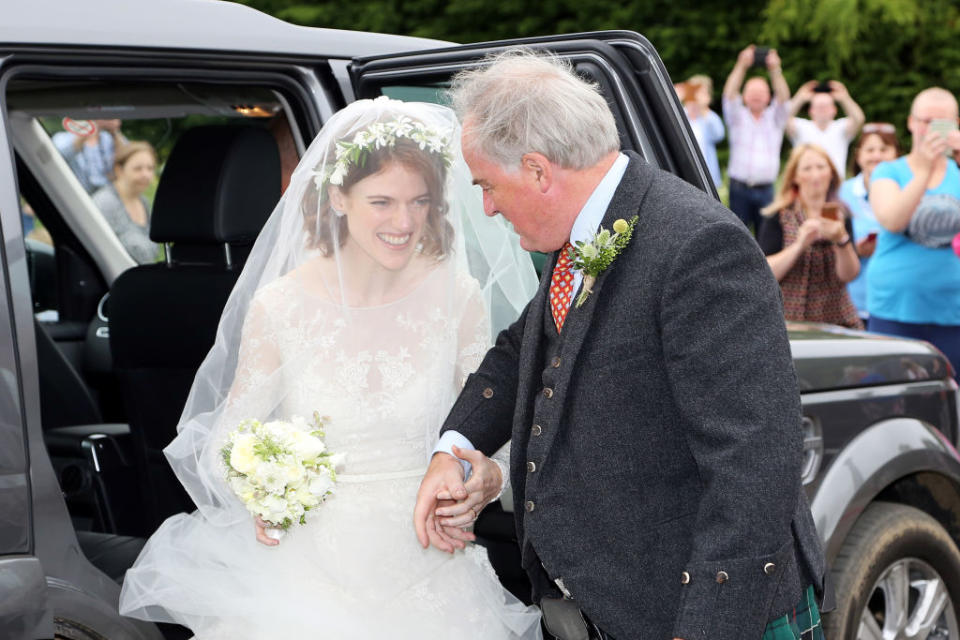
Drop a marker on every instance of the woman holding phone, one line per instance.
(877, 143)
(807, 238)
(914, 284)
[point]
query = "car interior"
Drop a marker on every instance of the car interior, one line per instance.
(118, 343)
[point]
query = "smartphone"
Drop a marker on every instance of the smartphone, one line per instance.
(831, 211)
(760, 57)
(822, 87)
(941, 127)
(871, 236)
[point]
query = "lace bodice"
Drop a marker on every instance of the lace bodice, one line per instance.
(386, 375)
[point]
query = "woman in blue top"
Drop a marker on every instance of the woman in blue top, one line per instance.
(877, 143)
(913, 288)
(706, 124)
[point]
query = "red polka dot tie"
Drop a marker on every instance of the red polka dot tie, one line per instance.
(561, 286)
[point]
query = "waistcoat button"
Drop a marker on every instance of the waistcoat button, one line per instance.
(548, 392)
(530, 506)
(536, 430)
(531, 466)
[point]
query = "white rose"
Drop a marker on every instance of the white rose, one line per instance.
(242, 456)
(306, 447)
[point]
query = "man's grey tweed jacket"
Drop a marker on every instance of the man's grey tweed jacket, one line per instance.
(664, 431)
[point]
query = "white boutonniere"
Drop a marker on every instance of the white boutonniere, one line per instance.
(594, 257)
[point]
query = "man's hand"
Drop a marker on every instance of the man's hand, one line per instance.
(482, 488)
(838, 90)
(745, 57)
(443, 476)
(773, 61)
(805, 93)
(260, 527)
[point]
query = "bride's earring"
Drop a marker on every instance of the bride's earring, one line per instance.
(337, 212)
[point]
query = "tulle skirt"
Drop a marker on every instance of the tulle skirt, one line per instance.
(355, 570)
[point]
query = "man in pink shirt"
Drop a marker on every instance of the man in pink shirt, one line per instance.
(755, 124)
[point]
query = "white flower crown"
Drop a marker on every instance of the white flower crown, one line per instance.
(378, 136)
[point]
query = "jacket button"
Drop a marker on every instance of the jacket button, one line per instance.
(769, 568)
(531, 466)
(555, 362)
(684, 578)
(530, 506)
(548, 392)
(722, 577)
(488, 393)
(536, 430)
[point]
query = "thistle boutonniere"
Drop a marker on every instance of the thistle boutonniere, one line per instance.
(594, 257)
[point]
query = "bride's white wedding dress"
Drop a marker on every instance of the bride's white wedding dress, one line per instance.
(356, 569)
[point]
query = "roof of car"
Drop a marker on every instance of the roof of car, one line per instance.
(216, 25)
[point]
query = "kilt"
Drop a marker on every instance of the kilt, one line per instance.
(803, 623)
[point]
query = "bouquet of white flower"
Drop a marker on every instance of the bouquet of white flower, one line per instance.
(280, 470)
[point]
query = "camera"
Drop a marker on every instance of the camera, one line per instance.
(760, 57)
(822, 87)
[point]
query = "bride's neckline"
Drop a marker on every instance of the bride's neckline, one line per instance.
(311, 279)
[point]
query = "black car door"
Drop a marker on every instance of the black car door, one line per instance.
(24, 612)
(624, 64)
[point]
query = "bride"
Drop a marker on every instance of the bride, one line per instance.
(371, 293)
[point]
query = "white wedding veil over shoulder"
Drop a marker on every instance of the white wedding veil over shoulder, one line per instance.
(375, 287)
(481, 252)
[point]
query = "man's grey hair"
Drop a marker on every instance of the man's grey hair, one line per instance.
(522, 102)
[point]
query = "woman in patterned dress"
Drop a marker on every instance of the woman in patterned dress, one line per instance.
(806, 235)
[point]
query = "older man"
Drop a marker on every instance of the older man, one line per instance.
(824, 128)
(656, 445)
(755, 125)
(914, 284)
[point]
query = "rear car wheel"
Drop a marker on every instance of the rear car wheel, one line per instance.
(897, 576)
(70, 630)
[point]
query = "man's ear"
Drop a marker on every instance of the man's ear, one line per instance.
(337, 199)
(539, 169)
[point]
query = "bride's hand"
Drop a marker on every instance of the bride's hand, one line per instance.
(483, 487)
(261, 529)
(444, 476)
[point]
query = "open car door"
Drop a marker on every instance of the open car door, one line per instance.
(623, 64)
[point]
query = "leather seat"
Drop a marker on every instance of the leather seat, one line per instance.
(218, 188)
(110, 553)
(64, 397)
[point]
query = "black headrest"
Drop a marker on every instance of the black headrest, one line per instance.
(219, 185)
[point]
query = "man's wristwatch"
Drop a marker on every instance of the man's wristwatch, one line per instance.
(844, 242)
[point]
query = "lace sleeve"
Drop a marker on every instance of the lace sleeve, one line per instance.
(253, 393)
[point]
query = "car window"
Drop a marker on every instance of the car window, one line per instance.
(97, 203)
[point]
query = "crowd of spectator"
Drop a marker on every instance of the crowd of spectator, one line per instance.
(880, 250)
